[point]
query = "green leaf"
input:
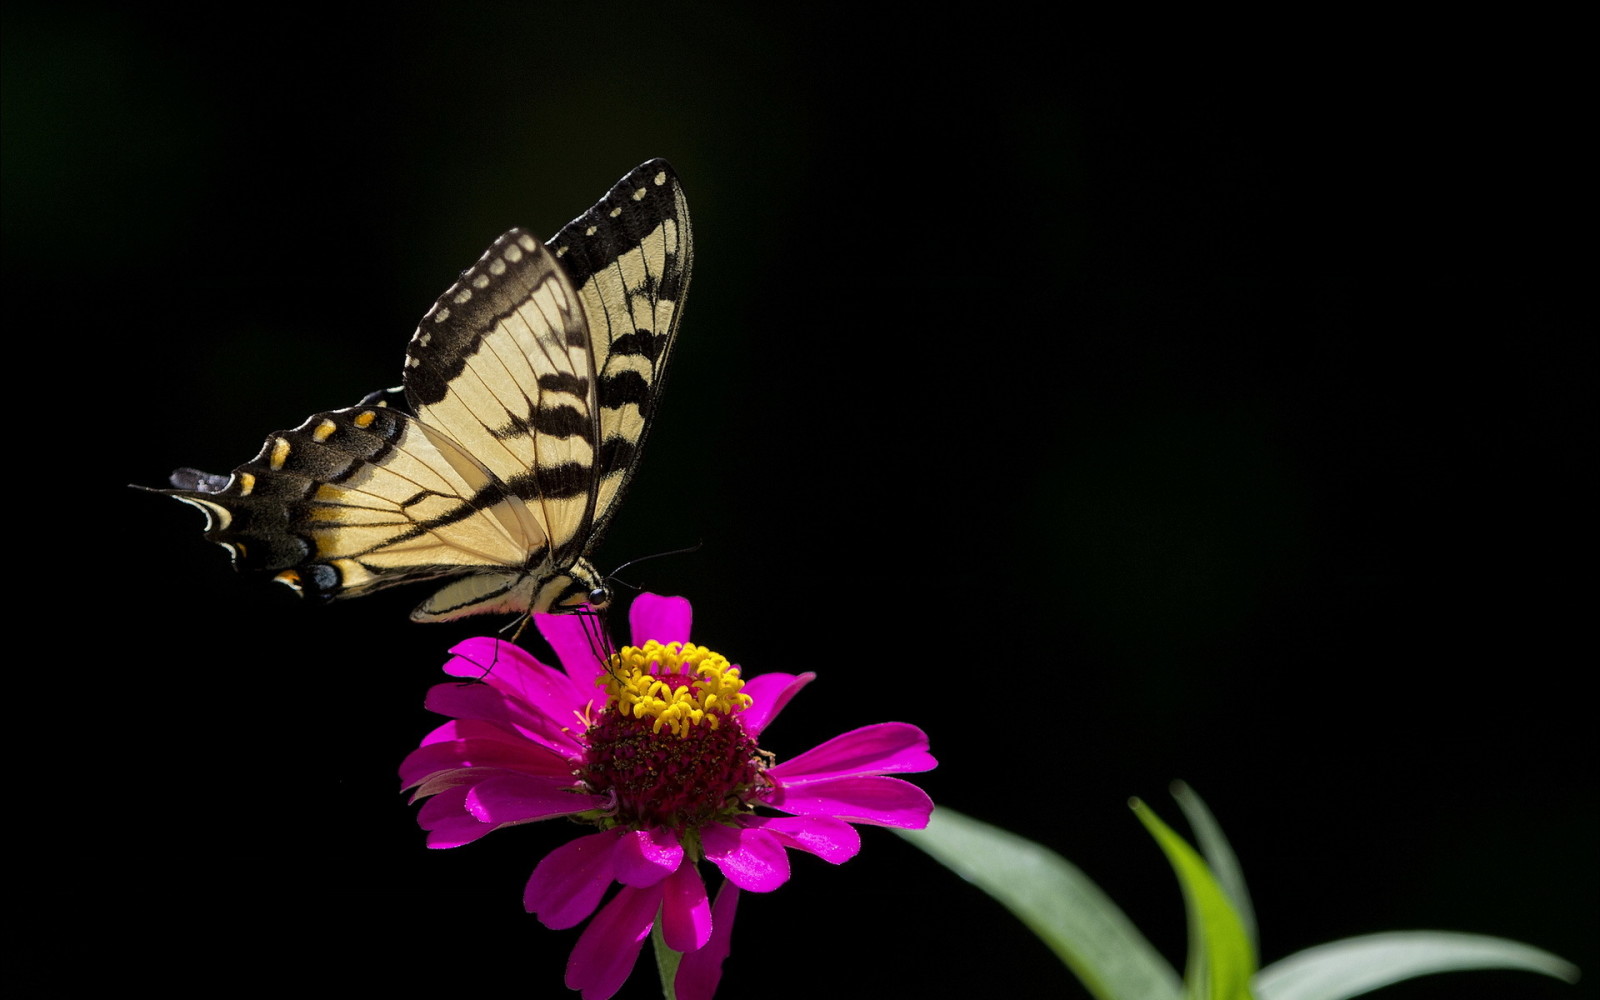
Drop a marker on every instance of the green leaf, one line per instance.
(1057, 901)
(1358, 965)
(1219, 855)
(1221, 958)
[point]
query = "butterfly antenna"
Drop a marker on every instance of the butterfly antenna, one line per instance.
(614, 575)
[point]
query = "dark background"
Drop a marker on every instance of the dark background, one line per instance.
(1116, 411)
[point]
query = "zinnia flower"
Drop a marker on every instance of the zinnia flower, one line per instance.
(657, 750)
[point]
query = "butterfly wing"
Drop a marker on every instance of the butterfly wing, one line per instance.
(356, 500)
(545, 362)
(630, 259)
(531, 391)
(501, 365)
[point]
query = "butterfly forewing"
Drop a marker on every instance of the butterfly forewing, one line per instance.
(532, 380)
(630, 258)
(501, 364)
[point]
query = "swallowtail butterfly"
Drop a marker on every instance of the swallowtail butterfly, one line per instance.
(528, 390)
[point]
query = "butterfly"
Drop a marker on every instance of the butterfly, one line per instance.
(528, 390)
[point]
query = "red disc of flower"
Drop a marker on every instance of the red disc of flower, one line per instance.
(658, 750)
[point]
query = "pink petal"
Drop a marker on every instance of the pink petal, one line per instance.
(608, 948)
(769, 693)
(685, 911)
(482, 703)
(447, 821)
(472, 729)
(750, 858)
(574, 639)
(645, 857)
(521, 798)
(479, 657)
(526, 758)
(469, 701)
(515, 673)
(832, 840)
(452, 777)
(664, 619)
(880, 801)
(568, 883)
(701, 971)
(886, 748)
(545, 688)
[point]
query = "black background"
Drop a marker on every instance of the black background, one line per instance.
(1216, 409)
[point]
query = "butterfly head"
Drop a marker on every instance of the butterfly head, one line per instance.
(580, 588)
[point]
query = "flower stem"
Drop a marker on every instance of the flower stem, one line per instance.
(666, 961)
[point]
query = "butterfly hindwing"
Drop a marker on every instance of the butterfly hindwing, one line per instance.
(356, 500)
(530, 385)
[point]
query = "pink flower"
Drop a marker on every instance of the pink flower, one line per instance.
(671, 777)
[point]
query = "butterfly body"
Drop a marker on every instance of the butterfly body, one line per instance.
(529, 387)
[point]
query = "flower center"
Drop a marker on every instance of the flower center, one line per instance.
(667, 749)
